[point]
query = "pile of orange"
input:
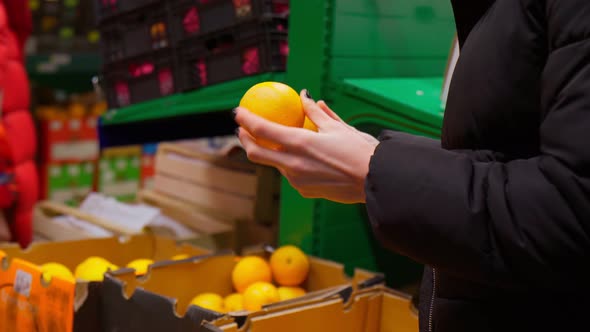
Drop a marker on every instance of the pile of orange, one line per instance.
(258, 281)
(279, 103)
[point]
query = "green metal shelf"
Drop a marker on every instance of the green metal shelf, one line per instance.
(200, 113)
(409, 104)
(219, 97)
(69, 72)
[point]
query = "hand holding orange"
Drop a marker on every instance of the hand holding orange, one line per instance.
(276, 102)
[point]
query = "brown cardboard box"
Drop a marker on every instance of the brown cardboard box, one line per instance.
(373, 310)
(215, 231)
(85, 226)
(161, 300)
(27, 301)
(46, 226)
(223, 181)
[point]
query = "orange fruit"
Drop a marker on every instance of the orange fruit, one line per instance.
(234, 302)
(140, 265)
(308, 124)
(209, 301)
(93, 269)
(287, 293)
(249, 270)
(99, 108)
(50, 270)
(77, 110)
(289, 266)
(259, 294)
(276, 102)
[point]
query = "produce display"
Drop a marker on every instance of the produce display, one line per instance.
(258, 281)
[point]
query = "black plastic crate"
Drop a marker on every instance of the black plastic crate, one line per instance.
(244, 50)
(108, 9)
(140, 78)
(138, 32)
(190, 18)
(63, 25)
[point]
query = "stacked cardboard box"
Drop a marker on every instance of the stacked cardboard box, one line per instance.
(207, 184)
(119, 173)
(69, 149)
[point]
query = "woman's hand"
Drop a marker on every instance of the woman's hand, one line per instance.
(332, 163)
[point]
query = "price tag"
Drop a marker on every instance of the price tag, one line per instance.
(26, 304)
(22, 283)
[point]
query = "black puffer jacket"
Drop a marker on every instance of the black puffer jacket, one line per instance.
(500, 209)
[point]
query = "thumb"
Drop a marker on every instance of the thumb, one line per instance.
(313, 111)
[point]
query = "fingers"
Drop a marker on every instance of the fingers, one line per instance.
(261, 155)
(314, 112)
(322, 104)
(259, 127)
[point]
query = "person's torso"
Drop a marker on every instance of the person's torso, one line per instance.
(494, 97)
(494, 104)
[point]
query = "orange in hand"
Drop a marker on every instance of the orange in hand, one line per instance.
(308, 124)
(276, 102)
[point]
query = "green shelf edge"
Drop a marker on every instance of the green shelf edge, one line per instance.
(417, 99)
(219, 97)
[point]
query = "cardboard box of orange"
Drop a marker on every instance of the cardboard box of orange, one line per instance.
(29, 303)
(375, 309)
(161, 301)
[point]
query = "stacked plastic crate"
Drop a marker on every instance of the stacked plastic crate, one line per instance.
(153, 49)
(225, 40)
(138, 57)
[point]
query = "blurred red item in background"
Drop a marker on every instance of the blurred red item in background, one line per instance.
(19, 173)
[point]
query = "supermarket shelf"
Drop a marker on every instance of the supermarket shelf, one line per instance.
(415, 98)
(200, 113)
(70, 72)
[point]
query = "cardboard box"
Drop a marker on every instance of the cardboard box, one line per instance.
(223, 181)
(69, 140)
(120, 172)
(101, 216)
(155, 303)
(67, 183)
(46, 224)
(223, 232)
(148, 165)
(375, 309)
(28, 304)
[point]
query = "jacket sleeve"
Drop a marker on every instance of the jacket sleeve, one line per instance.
(519, 223)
